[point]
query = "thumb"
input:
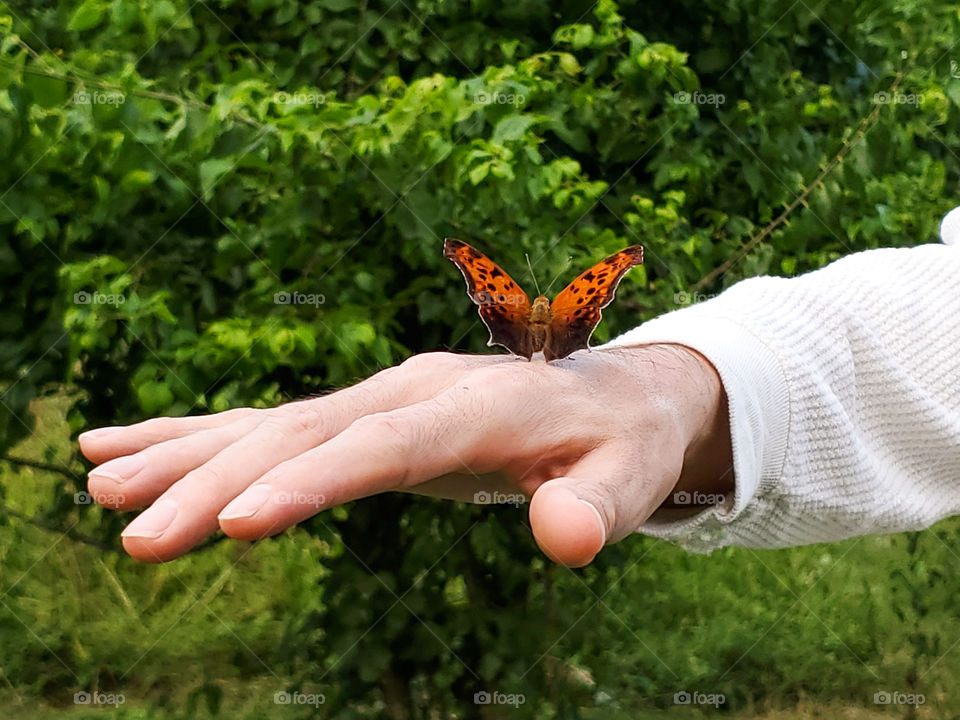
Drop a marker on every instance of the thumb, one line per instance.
(601, 499)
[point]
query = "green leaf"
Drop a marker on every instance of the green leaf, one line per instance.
(46, 91)
(154, 396)
(211, 171)
(479, 172)
(569, 64)
(953, 92)
(88, 15)
(512, 127)
(137, 180)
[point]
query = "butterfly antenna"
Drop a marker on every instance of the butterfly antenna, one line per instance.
(562, 270)
(535, 283)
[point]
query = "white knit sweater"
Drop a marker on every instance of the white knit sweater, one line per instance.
(844, 395)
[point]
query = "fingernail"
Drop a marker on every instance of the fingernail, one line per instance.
(152, 522)
(99, 432)
(603, 527)
(119, 470)
(246, 504)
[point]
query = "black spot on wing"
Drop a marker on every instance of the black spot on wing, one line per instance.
(572, 335)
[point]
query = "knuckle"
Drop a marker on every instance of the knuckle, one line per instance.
(385, 375)
(386, 428)
(396, 440)
(296, 419)
(237, 414)
(209, 475)
(370, 393)
(274, 432)
(308, 419)
(157, 428)
(607, 509)
(431, 362)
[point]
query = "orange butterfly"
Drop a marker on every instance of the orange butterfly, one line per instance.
(558, 328)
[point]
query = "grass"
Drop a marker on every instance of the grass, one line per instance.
(808, 632)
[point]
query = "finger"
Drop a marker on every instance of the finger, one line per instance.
(146, 474)
(137, 480)
(106, 443)
(103, 444)
(379, 452)
(243, 450)
(186, 513)
(602, 498)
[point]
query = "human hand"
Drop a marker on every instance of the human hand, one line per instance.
(598, 441)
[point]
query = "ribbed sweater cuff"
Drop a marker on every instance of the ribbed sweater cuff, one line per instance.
(759, 405)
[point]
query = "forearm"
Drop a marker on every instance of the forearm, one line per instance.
(844, 399)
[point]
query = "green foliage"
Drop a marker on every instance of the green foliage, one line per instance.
(221, 204)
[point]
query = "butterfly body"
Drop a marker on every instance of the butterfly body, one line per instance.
(540, 318)
(558, 328)
(540, 311)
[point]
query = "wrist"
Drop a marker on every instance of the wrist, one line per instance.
(707, 477)
(699, 403)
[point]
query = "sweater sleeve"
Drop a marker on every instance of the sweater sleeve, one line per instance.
(844, 397)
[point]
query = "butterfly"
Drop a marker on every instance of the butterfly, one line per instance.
(558, 328)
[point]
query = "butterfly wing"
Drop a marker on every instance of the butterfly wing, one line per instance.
(576, 310)
(504, 306)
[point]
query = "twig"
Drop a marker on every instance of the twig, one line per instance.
(37, 465)
(50, 527)
(152, 94)
(865, 124)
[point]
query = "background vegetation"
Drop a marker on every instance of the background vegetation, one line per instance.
(175, 172)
